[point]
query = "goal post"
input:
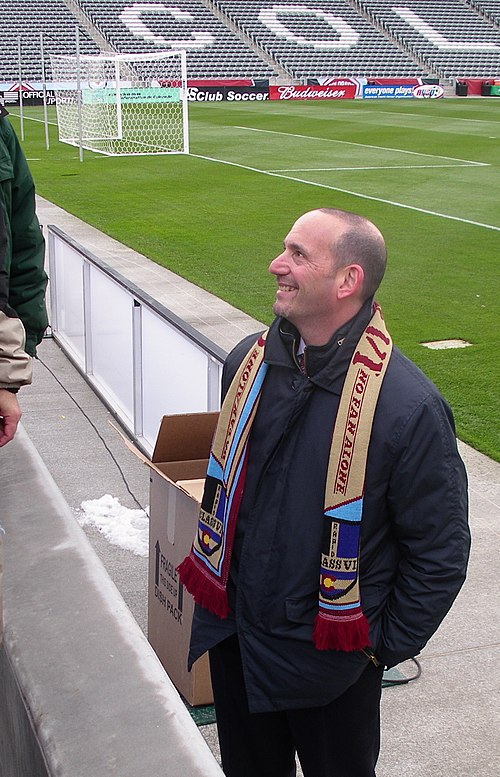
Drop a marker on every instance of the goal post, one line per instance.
(123, 104)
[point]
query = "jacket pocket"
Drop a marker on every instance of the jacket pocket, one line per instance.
(372, 600)
(301, 611)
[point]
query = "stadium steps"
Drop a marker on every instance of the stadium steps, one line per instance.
(411, 53)
(88, 25)
(490, 11)
(281, 71)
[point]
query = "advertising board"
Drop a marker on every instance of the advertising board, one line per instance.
(313, 92)
(387, 91)
(205, 94)
(29, 97)
(426, 91)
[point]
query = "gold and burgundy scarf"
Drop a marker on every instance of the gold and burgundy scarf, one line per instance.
(340, 623)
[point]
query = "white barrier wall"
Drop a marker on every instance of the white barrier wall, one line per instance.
(142, 360)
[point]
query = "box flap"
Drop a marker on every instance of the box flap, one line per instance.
(183, 470)
(194, 487)
(186, 436)
(180, 473)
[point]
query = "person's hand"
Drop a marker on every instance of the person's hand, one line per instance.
(10, 413)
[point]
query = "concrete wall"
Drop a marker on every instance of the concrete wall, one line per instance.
(20, 753)
(82, 693)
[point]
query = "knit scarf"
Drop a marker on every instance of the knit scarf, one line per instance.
(340, 623)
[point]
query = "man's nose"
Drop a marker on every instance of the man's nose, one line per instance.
(278, 266)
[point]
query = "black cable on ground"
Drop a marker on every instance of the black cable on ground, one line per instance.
(96, 431)
(405, 680)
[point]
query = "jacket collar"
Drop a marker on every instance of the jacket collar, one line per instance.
(326, 365)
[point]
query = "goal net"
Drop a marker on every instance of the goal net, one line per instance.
(123, 104)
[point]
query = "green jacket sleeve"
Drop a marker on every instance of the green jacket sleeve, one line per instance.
(26, 246)
(15, 364)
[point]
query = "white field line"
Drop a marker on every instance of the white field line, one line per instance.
(382, 113)
(348, 191)
(31, 118)
(378, 167)
(363, 145)
(437, 118)
(104, 156)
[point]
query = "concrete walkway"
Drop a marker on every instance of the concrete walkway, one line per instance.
(447, 723)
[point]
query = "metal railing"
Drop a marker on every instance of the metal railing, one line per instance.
(140, 358)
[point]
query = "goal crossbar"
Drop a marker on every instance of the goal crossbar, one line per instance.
(123, 104)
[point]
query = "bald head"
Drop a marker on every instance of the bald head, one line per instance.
(332, 261)
(358, 242)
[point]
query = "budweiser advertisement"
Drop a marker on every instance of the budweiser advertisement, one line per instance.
(339, 90)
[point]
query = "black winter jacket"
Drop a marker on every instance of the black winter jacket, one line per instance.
(414, 537)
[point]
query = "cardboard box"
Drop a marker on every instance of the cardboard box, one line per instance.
(178, 467)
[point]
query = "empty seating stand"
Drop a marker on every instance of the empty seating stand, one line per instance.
(22, 23)
(489, 8)
(452, 38)
(321, 38)
(244, 38)
(213, 51)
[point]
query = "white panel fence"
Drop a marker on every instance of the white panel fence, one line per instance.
(140, 358)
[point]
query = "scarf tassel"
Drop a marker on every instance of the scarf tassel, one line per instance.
(204, 591)
(340, 634)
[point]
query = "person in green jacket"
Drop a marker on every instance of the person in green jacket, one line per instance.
(15, 364)
(25, 250)
(23, 281)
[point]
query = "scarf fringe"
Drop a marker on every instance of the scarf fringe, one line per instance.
(339, 635)
(203, 590)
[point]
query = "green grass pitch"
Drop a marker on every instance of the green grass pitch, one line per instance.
(425, 171)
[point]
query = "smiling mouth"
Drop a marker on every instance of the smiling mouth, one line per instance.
(285, 287)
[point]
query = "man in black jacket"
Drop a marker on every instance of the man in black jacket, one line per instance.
(343, 539)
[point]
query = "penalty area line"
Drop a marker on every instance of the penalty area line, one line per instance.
(363, 145)
(377, 167)
(32, 118)
(348, 191)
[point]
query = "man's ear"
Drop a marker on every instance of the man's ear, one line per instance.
(350, 281)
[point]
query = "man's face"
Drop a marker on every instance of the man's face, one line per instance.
(307, 282)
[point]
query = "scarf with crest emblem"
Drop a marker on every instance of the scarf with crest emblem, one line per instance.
(340, 623)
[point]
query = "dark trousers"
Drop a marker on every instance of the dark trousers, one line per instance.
(341, 739)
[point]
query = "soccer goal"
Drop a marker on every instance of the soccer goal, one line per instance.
(123, 104)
